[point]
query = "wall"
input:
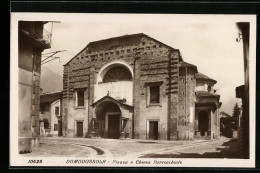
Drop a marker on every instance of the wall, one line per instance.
(117, 90)
(77, 114)
(29, 90)
(201, 86)
(186, 115)
(151, 62)
(25, 99)
(82, 71)
(54, 118)
(215, 128)
(152, 67)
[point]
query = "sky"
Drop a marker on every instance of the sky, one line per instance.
(207, 41)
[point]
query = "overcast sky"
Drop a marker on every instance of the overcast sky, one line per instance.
(207, 41)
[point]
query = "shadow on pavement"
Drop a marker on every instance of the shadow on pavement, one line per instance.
(230, 150)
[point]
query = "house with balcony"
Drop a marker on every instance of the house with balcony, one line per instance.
(134, 86)
(32, 41)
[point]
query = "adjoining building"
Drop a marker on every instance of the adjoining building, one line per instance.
(32, 41)
(243, 92)
(134, 86)
(50, 116)
(207, 115)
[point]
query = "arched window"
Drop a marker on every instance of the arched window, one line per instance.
(117, 74)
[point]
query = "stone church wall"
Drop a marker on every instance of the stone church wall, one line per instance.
(153, 63)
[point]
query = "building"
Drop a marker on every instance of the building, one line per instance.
(207, 115)
(134, 86)
(50, 116)
(243, 92)
(32, 40)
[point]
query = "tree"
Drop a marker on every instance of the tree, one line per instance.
(236, 111)
(229, 123)
(224, 114)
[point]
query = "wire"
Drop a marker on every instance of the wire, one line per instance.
(51, 60)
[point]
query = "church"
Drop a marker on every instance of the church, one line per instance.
(136, 87)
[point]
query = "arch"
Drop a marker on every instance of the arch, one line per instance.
(109, 119)
(203, 122)
(107, 67)
(106, 106)
(117, 73)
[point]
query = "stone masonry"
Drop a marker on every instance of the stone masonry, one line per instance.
(153, 64)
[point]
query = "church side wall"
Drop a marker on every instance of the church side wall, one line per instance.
(186, 103)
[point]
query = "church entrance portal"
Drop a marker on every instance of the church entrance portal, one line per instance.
(109, 119)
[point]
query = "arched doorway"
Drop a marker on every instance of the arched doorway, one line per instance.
(109, 119)
(203, 125)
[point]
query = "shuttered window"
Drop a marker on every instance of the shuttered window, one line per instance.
(57, 110)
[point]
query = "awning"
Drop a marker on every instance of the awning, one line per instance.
(111, 99)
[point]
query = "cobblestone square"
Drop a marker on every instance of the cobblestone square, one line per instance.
(114, 148)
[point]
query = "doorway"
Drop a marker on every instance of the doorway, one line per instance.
(203, 122)
(79, 129)
(113, 126)
(59, 128)
(153, 130)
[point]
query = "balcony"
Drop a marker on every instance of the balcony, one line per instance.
(42, 40)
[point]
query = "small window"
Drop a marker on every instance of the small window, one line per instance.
(154, 94)
(55, 127)
(80, 98)
(209, 88)
(57, 110)
(42, 108)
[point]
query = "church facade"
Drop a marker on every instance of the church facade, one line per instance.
(134, 86)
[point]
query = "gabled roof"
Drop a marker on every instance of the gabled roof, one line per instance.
(200, 76)
(204, 98)
(114, 42)
(50, 97)
(185, 64)
(111, 43)
(111, 99)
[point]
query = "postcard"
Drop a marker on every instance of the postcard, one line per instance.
(132, 90)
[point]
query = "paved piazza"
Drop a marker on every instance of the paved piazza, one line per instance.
(115, 148)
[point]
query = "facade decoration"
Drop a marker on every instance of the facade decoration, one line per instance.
(134, 86)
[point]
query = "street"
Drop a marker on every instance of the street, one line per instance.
(132, 148)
